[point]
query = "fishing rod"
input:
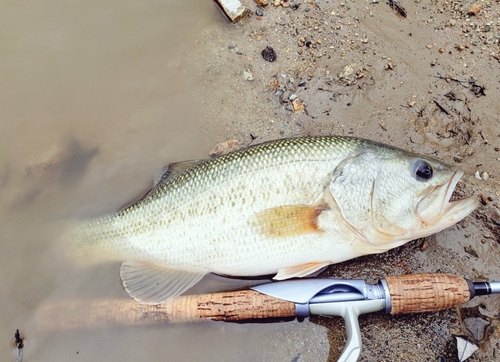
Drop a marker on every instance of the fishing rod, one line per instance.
(347, 298)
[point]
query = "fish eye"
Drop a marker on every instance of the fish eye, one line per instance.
(423, 171)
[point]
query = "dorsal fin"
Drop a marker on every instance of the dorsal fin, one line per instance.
(160, 175)
(173, 170)
(165, 174)
(170, 171)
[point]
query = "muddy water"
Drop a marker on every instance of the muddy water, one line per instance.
(96, 96)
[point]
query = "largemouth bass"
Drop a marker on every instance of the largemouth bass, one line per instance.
(288, 207)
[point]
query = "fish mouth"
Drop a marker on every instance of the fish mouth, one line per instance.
(450, 212)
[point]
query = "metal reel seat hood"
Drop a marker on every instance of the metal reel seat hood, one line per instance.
(391, 196)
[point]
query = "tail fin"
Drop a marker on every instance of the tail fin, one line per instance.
(92, 241)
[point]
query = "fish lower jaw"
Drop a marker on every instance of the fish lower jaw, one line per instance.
(451, 213)
(454, 211)
(461, 208)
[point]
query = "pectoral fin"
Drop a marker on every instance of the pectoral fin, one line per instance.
(152, 283)
(289, 220)
(299, 271)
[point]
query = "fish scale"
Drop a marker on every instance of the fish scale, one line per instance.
(289, 207)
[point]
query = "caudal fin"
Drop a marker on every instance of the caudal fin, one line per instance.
(91, 242)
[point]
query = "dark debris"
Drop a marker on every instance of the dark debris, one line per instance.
(269, 54)
(19, 343)
(18, 339)
(398, 8)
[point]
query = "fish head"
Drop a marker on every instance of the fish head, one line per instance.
(389, 196)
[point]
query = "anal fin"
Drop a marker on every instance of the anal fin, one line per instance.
(299, 271)
(153, 283)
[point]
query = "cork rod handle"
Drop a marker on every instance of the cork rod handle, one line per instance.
(228, 306)
(426, 292)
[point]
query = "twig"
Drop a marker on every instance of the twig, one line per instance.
(398, 8)
(441, 107)
(471, 84)
(453, 79)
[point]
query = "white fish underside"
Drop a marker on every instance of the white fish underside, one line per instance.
(213, 218)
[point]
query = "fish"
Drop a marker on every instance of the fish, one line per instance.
(287, 208)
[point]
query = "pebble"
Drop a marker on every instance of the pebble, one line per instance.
(488, 236)
(261, 2)
(425, 245)
(465, 348)
(347, 75)
(474, 9)
(269, 54)
(484, 199)
(470, 251)
(259, 12)
(476, 327)
(389, 66)
(224, 147)
(298, 105)
(482, 176)
(247, 74)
